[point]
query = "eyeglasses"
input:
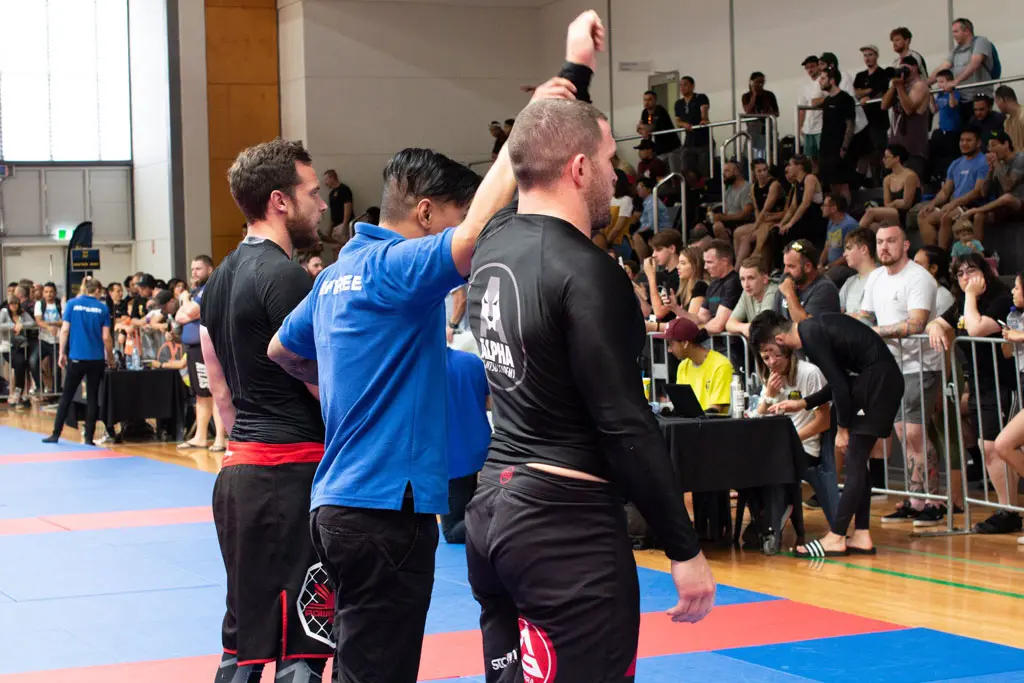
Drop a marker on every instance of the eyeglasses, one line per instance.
(964, 272)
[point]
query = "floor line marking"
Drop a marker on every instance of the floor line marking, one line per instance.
(950, 558)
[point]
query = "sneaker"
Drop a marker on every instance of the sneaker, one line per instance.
(1002, 522)
(1020, 540)
(904, 513)
(14, 398)
(932, 515)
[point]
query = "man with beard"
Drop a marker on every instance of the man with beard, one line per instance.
(371, 336)
(279, 605)
(188, 317)
(803, 293)
(550, 561)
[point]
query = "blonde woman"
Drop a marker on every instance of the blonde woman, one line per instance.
(689, 297)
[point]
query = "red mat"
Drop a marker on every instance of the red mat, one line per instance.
(450, 655)
(105, 520)
(59, 456)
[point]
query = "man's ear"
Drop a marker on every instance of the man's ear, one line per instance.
(577, 169)
(424, 213)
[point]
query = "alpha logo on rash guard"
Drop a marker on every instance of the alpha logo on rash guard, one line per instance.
(495, 315)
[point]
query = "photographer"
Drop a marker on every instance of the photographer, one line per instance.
(910, 100)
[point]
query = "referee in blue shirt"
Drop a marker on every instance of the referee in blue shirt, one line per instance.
(86, 348)
(373, 322)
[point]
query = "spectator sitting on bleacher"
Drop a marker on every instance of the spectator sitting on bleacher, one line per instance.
(936, 261)
(737, 205)
(645, 227)
(985, 120)
(832, 263)
(803, 292)
(802, 218)
(1005, 181)
(1013, 123)
(649, 165)
(963, 231)
(859, 251)
(910, 101)
(661, 272)
(964, 187)
(622, 199)
(725, 288)
(901, 190)
(708, 372)
(768, 198)
(758, 295)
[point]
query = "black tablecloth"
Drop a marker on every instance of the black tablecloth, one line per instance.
(136, 395)
(718, 454)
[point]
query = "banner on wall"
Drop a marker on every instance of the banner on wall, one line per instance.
(81, 241)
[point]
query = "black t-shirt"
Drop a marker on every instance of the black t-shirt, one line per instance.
(662, 121)
(994, 303)
(499, 142)
(689, 112)
(136, 306)
(577, 403)
(118, 310)
(879, 84)
(244, 303)
(765, 103)
(725, 291)
(836, 111)
(337, 199)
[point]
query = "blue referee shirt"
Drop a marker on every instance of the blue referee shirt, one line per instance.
(374, 322)
(87, 316)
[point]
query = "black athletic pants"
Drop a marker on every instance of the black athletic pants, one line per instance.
(856, 497)
(382, 563)
(92, 371)
(460, 492)
(551, 564)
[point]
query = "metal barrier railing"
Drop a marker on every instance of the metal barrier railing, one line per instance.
(750, 158)
(658, 349)
(798, 133)
(32, 362)
(682, 200)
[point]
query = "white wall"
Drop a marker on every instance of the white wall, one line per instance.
(362, 80)
(147, 32)
(692, 37)
(195, 132)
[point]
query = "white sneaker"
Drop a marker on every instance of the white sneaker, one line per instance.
(1020, 540)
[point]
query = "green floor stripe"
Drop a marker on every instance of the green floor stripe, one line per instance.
(915, 577)
(961, 560)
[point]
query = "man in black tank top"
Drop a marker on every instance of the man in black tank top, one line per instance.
(280, 605)
(559, 328)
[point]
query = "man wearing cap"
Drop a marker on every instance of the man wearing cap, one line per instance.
(871, 84)
(138, 303)
(1006, 179)
(810, 120)
(649, 166)
(708, 372)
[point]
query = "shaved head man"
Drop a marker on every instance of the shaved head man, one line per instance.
(546, 544)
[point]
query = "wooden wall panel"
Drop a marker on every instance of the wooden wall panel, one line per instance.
(243, 99)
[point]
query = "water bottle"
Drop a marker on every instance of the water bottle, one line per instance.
(739, 402)
(136, 361)
(1015, 321)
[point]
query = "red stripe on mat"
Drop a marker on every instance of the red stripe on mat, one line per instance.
(60, 456)
(451, 655)
(105, 520)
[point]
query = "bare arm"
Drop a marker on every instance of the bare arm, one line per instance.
(718, 324)
(977, 324)
(302, 369)
(797, 312)
(889, 98)
(914, 324)
(458, 306)
(65, 334)
(218, 383)
(188, 312)
(977, 193)
(809, 184)
(976, 61)
(819, 425)
(108, 346)
(945, 65)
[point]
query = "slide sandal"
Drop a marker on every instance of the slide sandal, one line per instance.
(815, 549)
(861, 551)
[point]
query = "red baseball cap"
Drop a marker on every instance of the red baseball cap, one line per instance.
(681, 330)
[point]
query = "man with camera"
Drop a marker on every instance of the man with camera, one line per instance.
(910, 100)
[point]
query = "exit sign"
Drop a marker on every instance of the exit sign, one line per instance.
(62, 234)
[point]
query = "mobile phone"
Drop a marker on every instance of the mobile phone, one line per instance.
(1002, 324)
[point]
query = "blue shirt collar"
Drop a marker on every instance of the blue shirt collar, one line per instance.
(376, 232)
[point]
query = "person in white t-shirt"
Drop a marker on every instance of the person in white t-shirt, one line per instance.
(810, 120)
(784, 377)
(48, 315)
(859, 251)
(899, 301)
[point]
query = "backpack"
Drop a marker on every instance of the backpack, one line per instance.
(997, 66)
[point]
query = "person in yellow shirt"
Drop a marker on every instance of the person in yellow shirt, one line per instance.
(708, 372)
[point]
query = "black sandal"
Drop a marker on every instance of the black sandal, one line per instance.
(815, 549)
(853, 550)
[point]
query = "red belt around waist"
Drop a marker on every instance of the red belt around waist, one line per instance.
(269, 455)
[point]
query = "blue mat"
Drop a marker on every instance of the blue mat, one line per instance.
(899, 657)
(15, 441)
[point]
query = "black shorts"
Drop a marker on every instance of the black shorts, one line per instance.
(280, 603)
(551, 564)
(990, 424)
(197, 379)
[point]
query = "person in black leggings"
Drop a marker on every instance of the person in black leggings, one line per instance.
(866, 385)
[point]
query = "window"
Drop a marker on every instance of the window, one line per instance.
(64, 84)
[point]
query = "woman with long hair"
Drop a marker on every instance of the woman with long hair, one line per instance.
(982, 301)
(15, 323)
(689, 297)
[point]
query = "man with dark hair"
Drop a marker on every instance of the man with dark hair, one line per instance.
(859, 252)
(838, 127)
(900, 38)
(985, 120)
(508, 126)
(868, 85)
(86, 348)
(278, 603)
(661, 272)
(910, 102)
(757, 100)
(1005, 182)
(724, 290)
(1006, 101)
(573, 432)
(692, 109)
(964, 188)
(500, 137)
(655, 118)
(832, 262)
(188, 317)
(370, 336)
(865, 385)
(339, 200)
(810, 119)
(803, 293)
(311, 262)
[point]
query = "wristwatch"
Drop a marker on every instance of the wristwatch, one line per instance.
(452, 325)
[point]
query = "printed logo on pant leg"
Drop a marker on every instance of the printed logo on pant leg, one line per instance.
(510, 657)
(316, 605)
(506, 475)
(537, 653)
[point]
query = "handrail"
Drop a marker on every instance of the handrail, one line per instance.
(750, 158)
(797, 134)
(661, 182)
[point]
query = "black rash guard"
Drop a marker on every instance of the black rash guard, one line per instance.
(560, 334)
